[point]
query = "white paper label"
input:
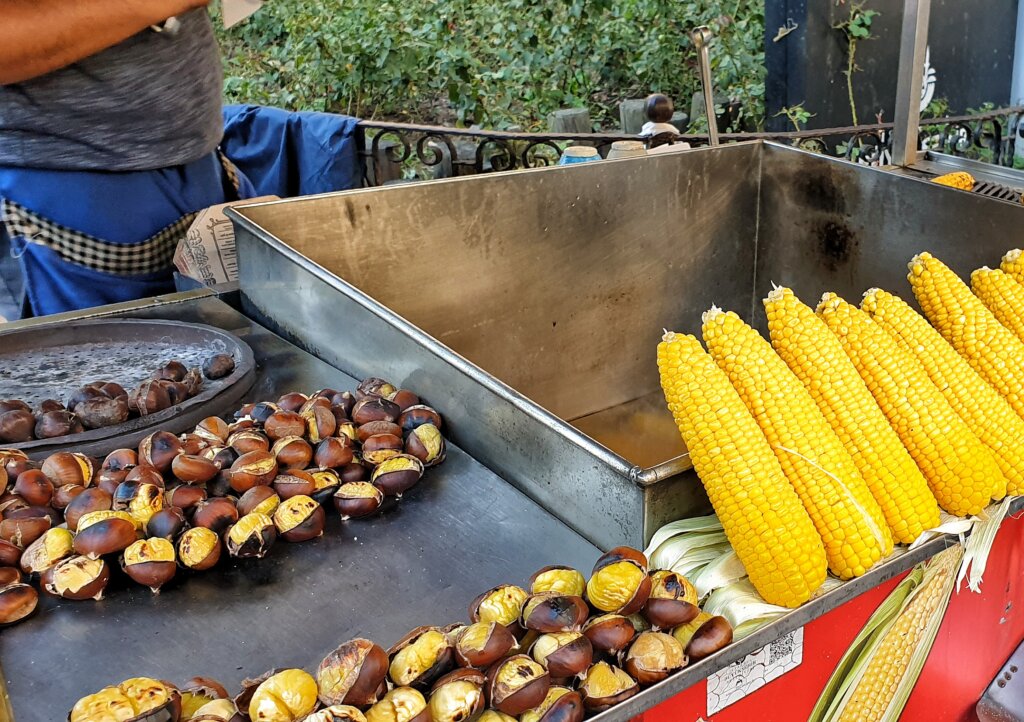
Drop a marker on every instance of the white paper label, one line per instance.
(754, 671)
(235, 11)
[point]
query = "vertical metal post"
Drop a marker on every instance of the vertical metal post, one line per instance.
(701, 37)
(913, 43)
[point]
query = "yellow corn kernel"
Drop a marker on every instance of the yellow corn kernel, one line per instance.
(1013, 264)
(960, 470)
(959, 179)
(760, 512)
(987, 414)
(963, 320)
(816, 357)
(1002, 295)
(813, 458)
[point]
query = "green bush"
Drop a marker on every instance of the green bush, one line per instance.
(493, 63)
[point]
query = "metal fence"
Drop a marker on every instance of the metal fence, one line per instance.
(400, 151)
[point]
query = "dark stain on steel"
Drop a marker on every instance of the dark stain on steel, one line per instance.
(836, 243)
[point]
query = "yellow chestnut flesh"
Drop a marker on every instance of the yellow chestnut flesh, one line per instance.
(126, 701)
(337, 713)
(562, 580)
(653, 657)
(538, 712)
(456, 701)
(412, 662)
(53, 546)
(502, 605)
(613, 587)
(218, 710)
(402, 704)
(284, 697)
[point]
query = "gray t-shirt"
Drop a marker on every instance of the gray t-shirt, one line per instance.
(153, 101)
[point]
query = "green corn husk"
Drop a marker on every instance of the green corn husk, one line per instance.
(979, 544)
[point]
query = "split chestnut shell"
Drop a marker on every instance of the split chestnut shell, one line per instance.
(560, 705)
(352, 674)
(336, 713)
(77, 578)
(502, 604)
(150, 562)
(703, 635)
(104, 532)
(605, 686)
(199, 548)
(619, 586)
(482, 644)
(17, 601)
(140, 699)
(299, 519)
(357, 499)
(672, 601)
(423, 655)
(401, 704)
(457, 698)
(287, 696)
(517, 684)
(610, 633)
(653, 657)
(554, 612)
(251, 536)
(563, 654)
(397, 475)
(564, 580)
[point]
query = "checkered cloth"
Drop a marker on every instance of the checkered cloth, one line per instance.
(152, 255)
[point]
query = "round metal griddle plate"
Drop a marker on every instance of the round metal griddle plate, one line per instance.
(50, 362)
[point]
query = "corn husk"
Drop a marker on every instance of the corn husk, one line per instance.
(721, 572)
(979, 544)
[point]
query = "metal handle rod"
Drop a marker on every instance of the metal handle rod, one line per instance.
(913, 44)
(701, 38)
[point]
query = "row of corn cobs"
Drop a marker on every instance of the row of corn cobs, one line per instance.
(853, 426)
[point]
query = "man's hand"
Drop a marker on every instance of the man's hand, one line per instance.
(40, 36)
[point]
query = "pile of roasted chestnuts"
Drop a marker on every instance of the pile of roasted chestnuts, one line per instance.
(226, 489)
(105, 403)
(561, 649)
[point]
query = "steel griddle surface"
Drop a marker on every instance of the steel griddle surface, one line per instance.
(461, 531)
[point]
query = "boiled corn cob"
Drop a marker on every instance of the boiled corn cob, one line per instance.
(813, 458)
(960, 470)
(963, 320)
(762, 516)
(959, 179)
(987, 414)
(1013, 264)
(1002, 295)
(817, 358)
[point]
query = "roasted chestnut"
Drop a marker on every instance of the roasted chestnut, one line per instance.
(352, 674)
(199, 548)
(68, 468)
(47, 551)
(65, 495)
(401, 704)
(619, 583)
(516, 684)
(33, 486)
(292, 401)
(320, 423)
(374, 428)
(224, 456)
(493, 715)
(299, 519)
(17, 601)
(502, 604)
(159, 449)
(185, 496)
(457, 698)
(703, 635)
(334, 452)
(194, 469)
(610, 633)
(417, 416)
(564, 580)
(251, 536)
(13, 405)
(29, 512)
(554, 612)
(248, 440)
(257, 468)
(287, 696)
(353, 472)
(218, 710)
(327, 482)
(348, 430)
(284, 423)
(150, 397)
(336, 713)
(294, 482)
(259, 499)
(23, 531)
(89, 500)
(9, 575)
(140, 500)
(426, 444)
(213, 429)
(101, 412)
(292, 452)
(563, 654)
(77, 578)
(193, 445)
(216, 514)
(673, 600)
(381, 447)
(173, 370)
(403, 399)
(423, 655)
(145, 474)
(218, 366)
(167, 523)
(10, 553)
(17, 426)
(315, 400)
(57, 423)
(357, 499)
(653, 656)
(397, 475)
(560, 705)
(374, 386)
(104, 532)
(140, 699)
(374, 408)
(482, 644)
(605, 686)
(150, 562)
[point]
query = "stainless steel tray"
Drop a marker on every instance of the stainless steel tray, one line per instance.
(531, 303)
(51, 360)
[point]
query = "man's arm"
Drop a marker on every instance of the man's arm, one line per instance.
(39, 36)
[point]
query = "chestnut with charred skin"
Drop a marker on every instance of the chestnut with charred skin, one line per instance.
(299, 519)
(516, 684)
(417, 416)
(563, 654)
(150, 397)
(373, 386)
(610, 633)
(401, 704)
(482, 644)
(199, 548)
(257, 468)
(98, 413)
(619, 583)
(336, 713)
(159, 449)
(150, 562)
(704, 635)
(104, 532)
(327, 482)
(673, 600)
(397, 475)
(381, 447)
(185, 496)
(653, 657)
(88, 501)
(560, 705)
(218, 366)
(357, 499)
(139, 699)
(374, 408)
(423, 655)
(352, 674)
(251, 536)
(68, 468)
(216, 514)
(554, 612)
(606, 686)
(354, 472)
(77, 578)
(167, 524)
(140, 500)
